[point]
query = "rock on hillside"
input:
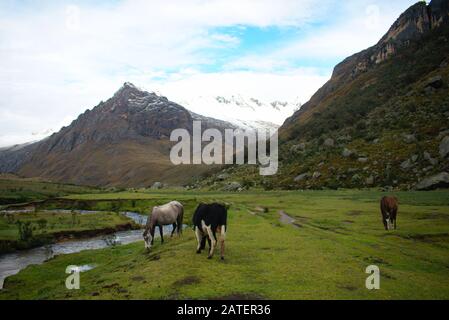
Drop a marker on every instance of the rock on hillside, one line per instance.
(440, 180)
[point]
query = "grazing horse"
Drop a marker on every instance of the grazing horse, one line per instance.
(170, 213)
(209, 219)
(389, 209)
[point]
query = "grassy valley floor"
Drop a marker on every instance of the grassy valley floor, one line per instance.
(322, 255)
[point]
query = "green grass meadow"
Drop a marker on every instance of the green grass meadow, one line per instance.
(335, 236)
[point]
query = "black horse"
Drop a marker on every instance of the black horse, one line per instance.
(208, 220)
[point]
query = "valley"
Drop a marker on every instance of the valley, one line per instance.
(320, 252)
(303, 216)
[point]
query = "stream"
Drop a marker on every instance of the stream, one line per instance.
(12, 263)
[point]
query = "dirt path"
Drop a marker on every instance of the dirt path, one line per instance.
(286, 219)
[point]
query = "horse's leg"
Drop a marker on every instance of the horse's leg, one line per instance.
(385, 224)
(173, 231)
(395, 215)
(215, 237)
(199, 238)
(179, 229)
(162, 234)
(204, 242)
(213, 241)
(222, 241)
(179, 221)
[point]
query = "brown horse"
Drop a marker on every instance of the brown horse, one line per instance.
(389, 209)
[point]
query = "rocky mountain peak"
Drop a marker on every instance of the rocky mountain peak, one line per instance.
(416, 21)
(128, 89)
(439, 12)
(410, 24)
(129, 96)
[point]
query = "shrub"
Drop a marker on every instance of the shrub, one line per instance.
(25, 230)
(42, 223)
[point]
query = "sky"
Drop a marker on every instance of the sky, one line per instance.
(59, 58)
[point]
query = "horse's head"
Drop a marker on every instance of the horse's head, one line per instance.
(147, 238)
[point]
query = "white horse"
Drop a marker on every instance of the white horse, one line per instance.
(170, 213)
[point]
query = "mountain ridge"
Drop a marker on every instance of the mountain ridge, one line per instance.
(122, 141)
(416, 21)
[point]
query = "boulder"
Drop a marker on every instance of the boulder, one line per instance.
(302, 176)
(329, 142)
(298, 147)
(443, 133)
(435, 82)
(369, 181)
(440, 180)
(407, 164)
(233, 186)
(362, 160)
(347, 153)
(157, 185)
(429, 158)
(429, 90)
(409, 138)
(444, 147)
(316, 175)
(222, 177)
(345, 138)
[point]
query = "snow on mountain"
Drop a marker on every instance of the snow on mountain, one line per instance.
(242, 111)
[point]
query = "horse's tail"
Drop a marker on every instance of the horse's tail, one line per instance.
(180, 219)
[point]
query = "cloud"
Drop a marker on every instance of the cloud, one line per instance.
(59, 58)
(364, 26)
(297, 83)
(356, 26)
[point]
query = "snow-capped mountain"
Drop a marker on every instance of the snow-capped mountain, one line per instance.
(242, 111)
(122, 141)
